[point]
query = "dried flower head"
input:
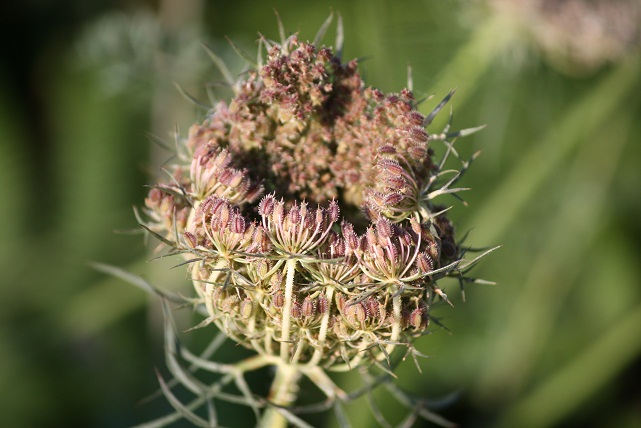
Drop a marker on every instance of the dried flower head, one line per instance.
(306, 211)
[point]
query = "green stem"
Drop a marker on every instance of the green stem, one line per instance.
(320, 378)
(284, 392)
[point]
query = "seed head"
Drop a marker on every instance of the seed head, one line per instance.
(339, 253)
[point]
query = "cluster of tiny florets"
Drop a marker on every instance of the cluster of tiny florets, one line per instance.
(304, 212)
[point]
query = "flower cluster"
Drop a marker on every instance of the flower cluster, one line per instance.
(306, 212)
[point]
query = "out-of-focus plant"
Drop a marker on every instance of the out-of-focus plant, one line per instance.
(577, 36)
(135, 52)
(308, 211)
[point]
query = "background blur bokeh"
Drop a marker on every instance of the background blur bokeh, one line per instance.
(556, 342)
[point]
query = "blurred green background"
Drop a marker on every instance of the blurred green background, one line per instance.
(557, 342)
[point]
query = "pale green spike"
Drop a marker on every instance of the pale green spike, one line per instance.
(430, 117)
(241, 53)
(218, 62)
(281, 29)
(322, 30)
(340, 37)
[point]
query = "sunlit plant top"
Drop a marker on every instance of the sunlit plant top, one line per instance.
(310, 213)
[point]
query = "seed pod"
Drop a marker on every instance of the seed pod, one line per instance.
(155, 195)
(190, 240)
(253, 191)
(390, 167)
(260, 240)
(371, 238)
(266, 206)
(323, 304)
(416, 226)
(236, 178)
(384, 229)
(333, 211)
(433, 250)
(372, 306)
(297, 310)
(275, 282)
(393, 198)
(356, 312)
(418, 151)
(309, 307)
(278, 213)
(221, 216)
(386, 149)
(309, 221)
(396, 183)
(424, 262)
(415, 118)
(222, 160)
(416, 318)
(278, 300)
(419, 134)
(261, 267)
(237, 224)
(294, 215)
(320, 217)
(246, 308)
(230, 304)
(351, 239)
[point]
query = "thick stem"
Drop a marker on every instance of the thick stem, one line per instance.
(284, 392)
(284, 389)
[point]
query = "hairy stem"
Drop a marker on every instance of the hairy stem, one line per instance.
(287, 309)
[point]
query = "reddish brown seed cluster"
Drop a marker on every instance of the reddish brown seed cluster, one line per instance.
(297, 229)
(287, 275)
(220, 227)
(212, 173)
(167, 210)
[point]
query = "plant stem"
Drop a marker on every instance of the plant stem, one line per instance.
(284, 392)
(396, 327)
(287, 309)
(322, 334)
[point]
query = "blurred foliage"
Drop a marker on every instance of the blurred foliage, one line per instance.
(555, 343)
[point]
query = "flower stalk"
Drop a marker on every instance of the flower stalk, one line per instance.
(283, 394)
(290, 270)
